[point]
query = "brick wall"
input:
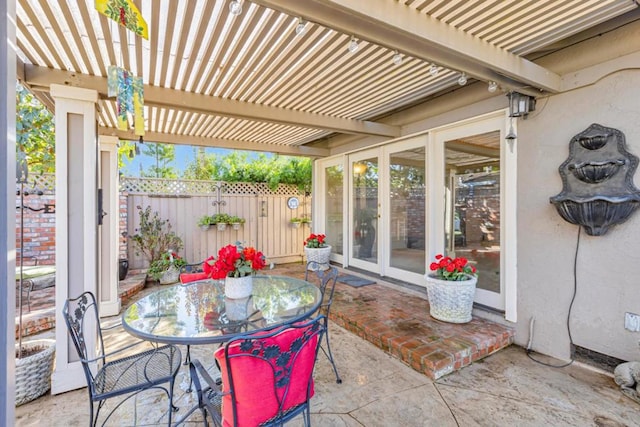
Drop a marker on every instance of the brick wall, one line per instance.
(39, 230)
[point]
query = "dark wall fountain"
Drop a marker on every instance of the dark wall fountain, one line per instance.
(597, 181)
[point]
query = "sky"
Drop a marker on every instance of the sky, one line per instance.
(185, 154)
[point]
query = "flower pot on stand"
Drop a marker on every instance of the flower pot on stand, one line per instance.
(319, 255)
(451, 300)
(238, 287)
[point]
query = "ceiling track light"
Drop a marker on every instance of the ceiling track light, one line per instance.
(433, 70)
(353, 45)
(493, 86)
(462, 80)
(397, 58)
(300, 27)
(235, 7)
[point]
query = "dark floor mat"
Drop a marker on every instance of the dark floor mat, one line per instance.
(354, 281)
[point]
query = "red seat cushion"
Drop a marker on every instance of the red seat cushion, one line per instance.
(192, 277)
(257, 398)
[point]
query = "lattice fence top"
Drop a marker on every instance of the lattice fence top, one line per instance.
(178, 187)
(36, 183)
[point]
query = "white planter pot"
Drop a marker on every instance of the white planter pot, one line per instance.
(296, 224)
(33, 373)
(170, 276)
(319, 255)
(236, 225)
(449, 300)
(221, 226)
(238, 287)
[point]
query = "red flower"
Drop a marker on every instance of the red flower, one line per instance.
(315, 241)
(234, 261)
(452, 269)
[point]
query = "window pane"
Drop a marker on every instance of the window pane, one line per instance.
(334, 177)
(407, 204)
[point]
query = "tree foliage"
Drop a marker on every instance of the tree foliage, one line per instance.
(35, 132)
(239, 166)
(163, 156)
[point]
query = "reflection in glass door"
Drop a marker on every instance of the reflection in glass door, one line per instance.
(473, 207)
(407, 201)
(333, 215)
(364, 211)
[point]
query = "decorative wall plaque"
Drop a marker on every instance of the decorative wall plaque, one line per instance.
(597, 181)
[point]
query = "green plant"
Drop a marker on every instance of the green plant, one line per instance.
(220, 218)
(305, 220)
(236, 220)
(154, 236)
(315, 241)
(295, 219)
(205, 220)
(455, 269)
(168, 259)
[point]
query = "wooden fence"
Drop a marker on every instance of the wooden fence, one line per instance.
(267, 216)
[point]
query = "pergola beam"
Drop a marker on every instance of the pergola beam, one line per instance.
(291, 150)
(421, 36)
(42, 77)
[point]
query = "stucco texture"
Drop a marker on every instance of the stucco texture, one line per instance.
(607, 279)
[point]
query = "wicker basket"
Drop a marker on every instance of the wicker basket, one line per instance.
(319, 255)
(33, 373)
(451, 301)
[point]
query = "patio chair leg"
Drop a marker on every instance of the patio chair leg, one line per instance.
(330, 356)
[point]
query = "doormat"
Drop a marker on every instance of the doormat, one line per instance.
(354, 281)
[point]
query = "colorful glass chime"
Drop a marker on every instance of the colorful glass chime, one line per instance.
(129, 92)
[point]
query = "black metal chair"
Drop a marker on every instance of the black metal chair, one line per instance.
(129, 374)
(327, 276)
(266, 377)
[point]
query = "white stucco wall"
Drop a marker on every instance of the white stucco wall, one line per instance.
(607, 282)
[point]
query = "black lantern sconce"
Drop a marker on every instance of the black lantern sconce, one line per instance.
(520, 105)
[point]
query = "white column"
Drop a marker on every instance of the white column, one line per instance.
(8, 206)
(108, 298)
(76, 220)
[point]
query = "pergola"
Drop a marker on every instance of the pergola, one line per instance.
(284, 76)
(252, 81)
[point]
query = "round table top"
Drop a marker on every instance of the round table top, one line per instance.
(199, 312)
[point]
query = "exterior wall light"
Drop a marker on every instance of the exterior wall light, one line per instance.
(520, 105)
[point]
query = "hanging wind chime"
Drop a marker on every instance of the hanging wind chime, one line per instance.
(121, 83)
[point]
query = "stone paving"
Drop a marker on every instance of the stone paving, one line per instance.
(390, 388)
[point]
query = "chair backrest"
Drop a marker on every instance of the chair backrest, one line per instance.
(265, 375)
(327, 281)
(79, 314)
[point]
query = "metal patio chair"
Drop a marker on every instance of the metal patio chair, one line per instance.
(129, 374)
(327, 278)
(266, 377)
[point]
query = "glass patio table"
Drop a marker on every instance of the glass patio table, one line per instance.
(199, 312)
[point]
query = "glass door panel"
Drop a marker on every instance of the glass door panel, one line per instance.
(473, 206)
(407, 201)
(364, 215)
(333, 185)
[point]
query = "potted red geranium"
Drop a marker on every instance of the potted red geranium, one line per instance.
(316, 249)
(235, 265)
(451, 286)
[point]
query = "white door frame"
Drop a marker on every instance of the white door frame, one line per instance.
(320, 203)
(419, 141)
(506, 300)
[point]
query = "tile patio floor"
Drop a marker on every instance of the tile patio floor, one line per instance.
(390, 388)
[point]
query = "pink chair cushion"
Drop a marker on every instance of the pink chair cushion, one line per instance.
(192, 277)
(254, 380)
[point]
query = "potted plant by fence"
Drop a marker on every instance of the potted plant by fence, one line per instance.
(315, 249)
(451, 286)
(205, 222)
(296, 222)
(220, 220)
(236, 222)
(154, 237)
(236, 265)
(306, 221)
(166, 270)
